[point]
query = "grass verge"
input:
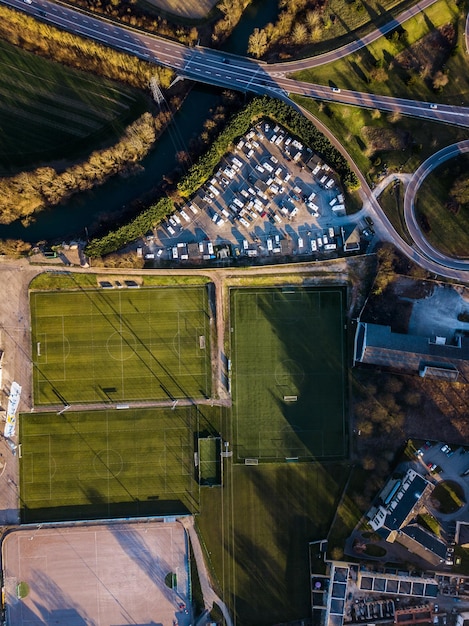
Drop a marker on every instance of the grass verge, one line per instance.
(446, 230)
(348, 123)
(392, 203)
(50, 111)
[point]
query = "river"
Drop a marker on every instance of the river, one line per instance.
(71, 220)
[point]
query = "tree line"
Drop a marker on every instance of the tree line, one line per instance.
(299, 22)
(239, 124)
(27, 193)
(34, 36)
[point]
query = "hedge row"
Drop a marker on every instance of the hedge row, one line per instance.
(237, 126)
(145, 221)
(285, 115)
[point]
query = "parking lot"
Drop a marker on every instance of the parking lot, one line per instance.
(270, 196)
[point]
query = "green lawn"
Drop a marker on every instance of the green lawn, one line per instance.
(102, 464)
(392, 202)
(355, 71)
(120, 345)
(209, 461)
(49, 111)
(257, 533)
(348, 123)
(447, 231)
(288, 373)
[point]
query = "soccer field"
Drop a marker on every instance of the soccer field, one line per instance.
(101, 464)
(120, 345)
(288, 373)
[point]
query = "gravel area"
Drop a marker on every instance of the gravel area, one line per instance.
(15, 342)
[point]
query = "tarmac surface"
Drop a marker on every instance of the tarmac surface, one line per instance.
(100, 575)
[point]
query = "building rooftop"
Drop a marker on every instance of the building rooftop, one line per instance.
(378, 345)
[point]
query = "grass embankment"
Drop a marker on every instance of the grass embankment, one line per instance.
(50, 111)
(348, 123)
(392, 203)
(383, 67)
(257, 535)
(446, 230)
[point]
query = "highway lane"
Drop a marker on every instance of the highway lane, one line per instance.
(213, 67)
(437, 264)
(450, 152)
(353, 46)
(216, 68)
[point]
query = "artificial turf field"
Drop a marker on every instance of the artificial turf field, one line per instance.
(101, 464)
(288, 373)
(121, 345)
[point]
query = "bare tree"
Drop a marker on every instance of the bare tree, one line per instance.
(257, 43)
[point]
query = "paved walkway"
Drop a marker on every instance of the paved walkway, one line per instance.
(210, 597)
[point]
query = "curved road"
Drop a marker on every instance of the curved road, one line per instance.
(210, 66)
(353, 46)
(409, 210)
(215, 68)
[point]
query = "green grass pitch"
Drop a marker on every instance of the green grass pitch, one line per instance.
(114, 346)
(101, 464)
(288, 373)
(209, 460)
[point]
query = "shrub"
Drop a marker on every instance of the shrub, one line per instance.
(129, 232)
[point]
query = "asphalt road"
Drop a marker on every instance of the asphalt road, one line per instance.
(409, 213)
(354, 46)
(216, 68)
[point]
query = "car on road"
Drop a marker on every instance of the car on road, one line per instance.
(432, 106)
(28, 1)
(335, 89)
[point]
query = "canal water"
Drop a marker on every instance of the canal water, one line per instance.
(83, 210)
(258, 14)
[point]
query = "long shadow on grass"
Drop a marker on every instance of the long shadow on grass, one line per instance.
(102, 510)
(121, 322)
(288, 506)
(308, 378)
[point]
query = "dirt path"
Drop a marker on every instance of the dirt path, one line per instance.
(15, 342)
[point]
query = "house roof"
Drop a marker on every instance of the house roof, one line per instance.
(396, 501)
(423, 543)
(378, 345)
